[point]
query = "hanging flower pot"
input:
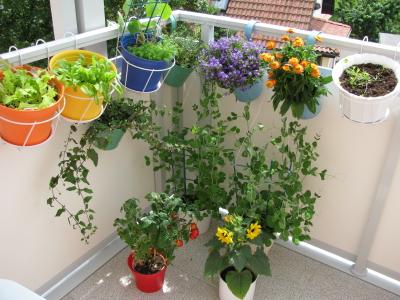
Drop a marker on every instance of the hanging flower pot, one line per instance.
(109, 139)
(139, 74)
(249, 93)
(147, 283)
(79, 105)
(226, 294)
(361, 107)
(30, 126)
(178, 76)
(307, 114)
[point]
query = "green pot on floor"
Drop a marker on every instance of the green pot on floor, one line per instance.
(109, 140)
(177, 76)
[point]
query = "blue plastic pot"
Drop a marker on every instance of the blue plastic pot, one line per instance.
(307, 114)
(136, 75)
(249, 93)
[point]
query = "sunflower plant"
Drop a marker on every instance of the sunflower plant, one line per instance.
(231, 254)
(294, 75)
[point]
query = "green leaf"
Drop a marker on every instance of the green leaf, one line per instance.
(126, 7)
(162, 10)
(121, 22)
(241, 257)
(92, 154)
(239, 282)
(60, 212)
(214, 264)
(259, 263)
(134, 26)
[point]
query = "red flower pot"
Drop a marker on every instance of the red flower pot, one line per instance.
(147, 283)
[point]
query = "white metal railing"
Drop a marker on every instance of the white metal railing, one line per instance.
(208, 22)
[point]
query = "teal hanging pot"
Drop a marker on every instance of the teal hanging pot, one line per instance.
(307, 114)
(109, 140)
(249, 93)
(177, 76)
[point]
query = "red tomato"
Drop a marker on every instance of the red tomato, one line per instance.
(179, 243)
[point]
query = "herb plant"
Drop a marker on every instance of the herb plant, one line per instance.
(357, 77)
(162, 50)
(231, 248)
(294, 75)
(159, 231)
(22, 89)
(96, 78)
(188, 47)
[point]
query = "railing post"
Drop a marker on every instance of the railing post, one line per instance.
(207, 33)
(378, 204)
(63, 14)
(90, 15)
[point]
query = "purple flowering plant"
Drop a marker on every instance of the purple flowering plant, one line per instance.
(231, 63)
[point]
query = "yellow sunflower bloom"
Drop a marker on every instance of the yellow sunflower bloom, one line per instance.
(224, 235)
(228, 218)
(254, 231)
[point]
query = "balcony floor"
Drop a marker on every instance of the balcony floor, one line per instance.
(294, 277)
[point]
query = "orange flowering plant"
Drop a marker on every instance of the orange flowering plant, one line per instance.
(294, 75)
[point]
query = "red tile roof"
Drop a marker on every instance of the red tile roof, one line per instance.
(288, 13)
(330, 27)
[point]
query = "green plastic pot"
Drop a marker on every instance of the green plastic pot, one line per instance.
(112, 137)
(177, 76)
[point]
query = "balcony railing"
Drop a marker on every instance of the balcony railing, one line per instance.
(356, 220)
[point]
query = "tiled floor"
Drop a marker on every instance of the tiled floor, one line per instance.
(294, 277)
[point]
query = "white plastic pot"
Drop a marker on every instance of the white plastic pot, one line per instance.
(226, 294)
(366, 109)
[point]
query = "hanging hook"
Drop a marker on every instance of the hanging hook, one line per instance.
(365, 39)
(14, 48)
(249, 29)
(41, 41)
(71, 34)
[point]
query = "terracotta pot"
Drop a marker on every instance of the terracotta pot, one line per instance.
(12, 127)
(147, 283)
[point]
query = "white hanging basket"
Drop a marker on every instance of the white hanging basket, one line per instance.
(361, 109)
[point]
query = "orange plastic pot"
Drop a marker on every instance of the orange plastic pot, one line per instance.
(78, 106)
(17, 126)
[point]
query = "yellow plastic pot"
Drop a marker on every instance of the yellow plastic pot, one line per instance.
(79, 106)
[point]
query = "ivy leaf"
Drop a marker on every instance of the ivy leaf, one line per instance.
(92, 154)
(239, 282)
(60, 212)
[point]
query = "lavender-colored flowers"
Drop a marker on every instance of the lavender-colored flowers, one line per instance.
(231, 63)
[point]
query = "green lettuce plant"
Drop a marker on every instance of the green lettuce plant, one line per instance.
(21, 89)
(96, 79)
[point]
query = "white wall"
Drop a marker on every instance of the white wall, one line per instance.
(36, 246)
(353, 154)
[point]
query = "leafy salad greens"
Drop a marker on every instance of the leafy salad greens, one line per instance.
(96, 79)
(22, 89)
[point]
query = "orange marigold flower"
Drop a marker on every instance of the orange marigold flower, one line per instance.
(286, 68)
(271, 74)
(274, 65)
(271, 45)
(315, 73)
(290, 30)
(298, 42)
(279, 55)
(314, 66)
(294, 61)
(298, 69)
(271, 83)
(304, 63)
(285, 38)
(267, 57)
(318, 38)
